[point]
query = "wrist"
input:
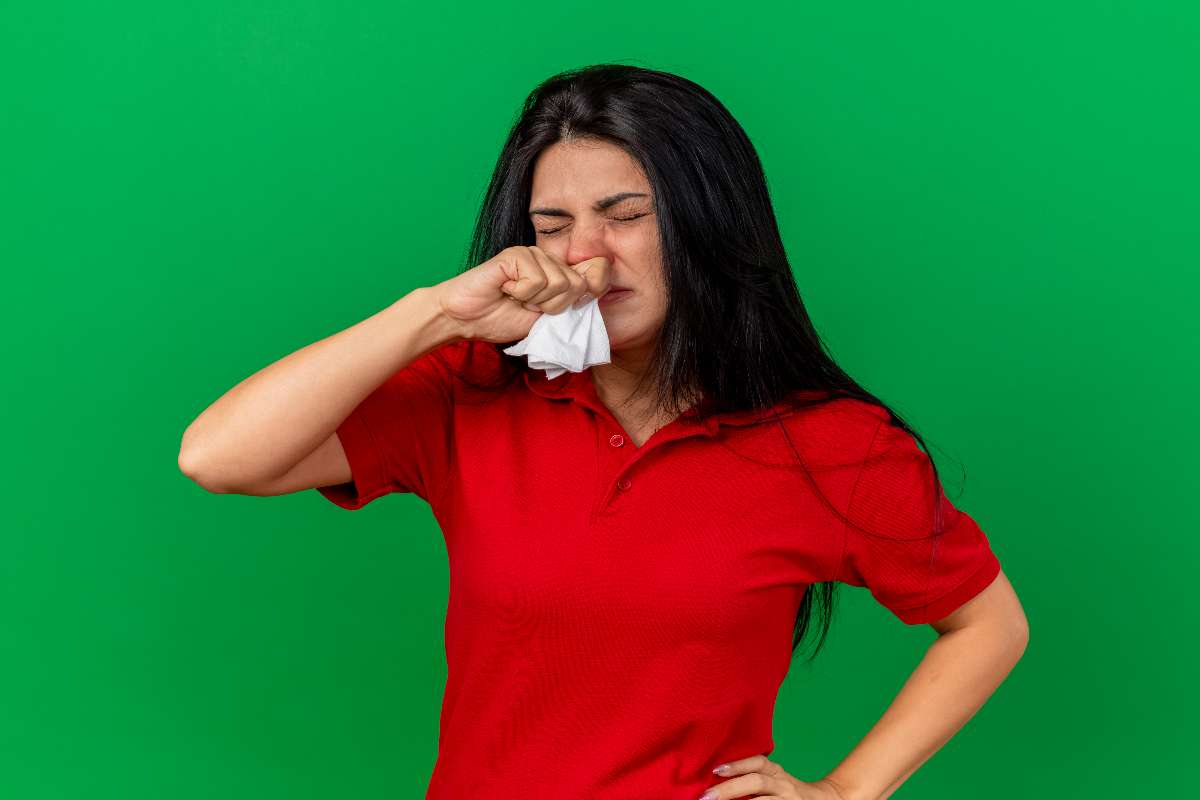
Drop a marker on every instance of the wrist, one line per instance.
(441, 326)
(844, 788)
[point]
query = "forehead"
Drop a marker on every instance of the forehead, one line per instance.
(584, 170)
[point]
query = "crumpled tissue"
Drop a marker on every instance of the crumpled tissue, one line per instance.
(573, 339)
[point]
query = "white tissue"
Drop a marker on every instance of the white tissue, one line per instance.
(573, 339)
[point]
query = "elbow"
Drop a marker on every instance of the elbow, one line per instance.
(1022, 635)
(196, 466)
(191, 466)
(1015, 636)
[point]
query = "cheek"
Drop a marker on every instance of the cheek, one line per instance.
(643, 253)
(648, 244)
(640, 251)
(640, 242)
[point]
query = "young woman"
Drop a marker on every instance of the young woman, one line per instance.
(635, 550)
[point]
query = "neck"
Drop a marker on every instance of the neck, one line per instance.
(615, 383)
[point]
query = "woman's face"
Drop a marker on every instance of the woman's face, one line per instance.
(590, 198)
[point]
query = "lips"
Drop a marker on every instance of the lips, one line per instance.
(613, 294)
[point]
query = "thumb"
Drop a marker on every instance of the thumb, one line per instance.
(597, 272)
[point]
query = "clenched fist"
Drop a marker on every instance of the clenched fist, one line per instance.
(499, 300)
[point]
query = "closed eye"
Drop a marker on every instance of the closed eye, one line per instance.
(615, 219)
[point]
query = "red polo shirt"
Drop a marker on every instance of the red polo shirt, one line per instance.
(620, 618)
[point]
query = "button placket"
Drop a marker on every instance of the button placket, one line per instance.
(611, 462)
(620, 482)
(614, 455)
(620, 459)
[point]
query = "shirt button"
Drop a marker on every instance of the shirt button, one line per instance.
(624, 483)
(616, 440)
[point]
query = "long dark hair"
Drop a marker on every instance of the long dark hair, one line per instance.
(724, 262)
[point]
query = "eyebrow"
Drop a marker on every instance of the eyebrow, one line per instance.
(600, 205)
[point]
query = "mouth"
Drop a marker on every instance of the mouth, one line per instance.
(614, 294)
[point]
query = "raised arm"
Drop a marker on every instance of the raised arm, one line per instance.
(276, 431)
(258, 431)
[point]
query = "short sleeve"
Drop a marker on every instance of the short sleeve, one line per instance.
(400, 437)
(890, 547)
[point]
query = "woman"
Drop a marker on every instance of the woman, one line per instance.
(635, 550)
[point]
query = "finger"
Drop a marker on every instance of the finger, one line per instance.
(597, 273)
(557, 293)
(755, 763)
(752, 784)
(563, 286)
(531, 277)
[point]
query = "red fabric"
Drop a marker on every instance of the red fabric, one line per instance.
(620, 618)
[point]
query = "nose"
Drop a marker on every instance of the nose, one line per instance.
(587, 241)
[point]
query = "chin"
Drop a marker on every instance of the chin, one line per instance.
(620, 338)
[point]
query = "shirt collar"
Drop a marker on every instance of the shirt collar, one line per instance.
(578, 386)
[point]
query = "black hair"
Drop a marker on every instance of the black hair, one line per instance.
(735, 330)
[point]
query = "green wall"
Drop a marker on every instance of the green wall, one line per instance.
(992, 214)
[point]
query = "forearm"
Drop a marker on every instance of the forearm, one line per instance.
(958, 673)
(274, 418)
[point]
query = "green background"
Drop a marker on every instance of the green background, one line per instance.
(991, 211)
